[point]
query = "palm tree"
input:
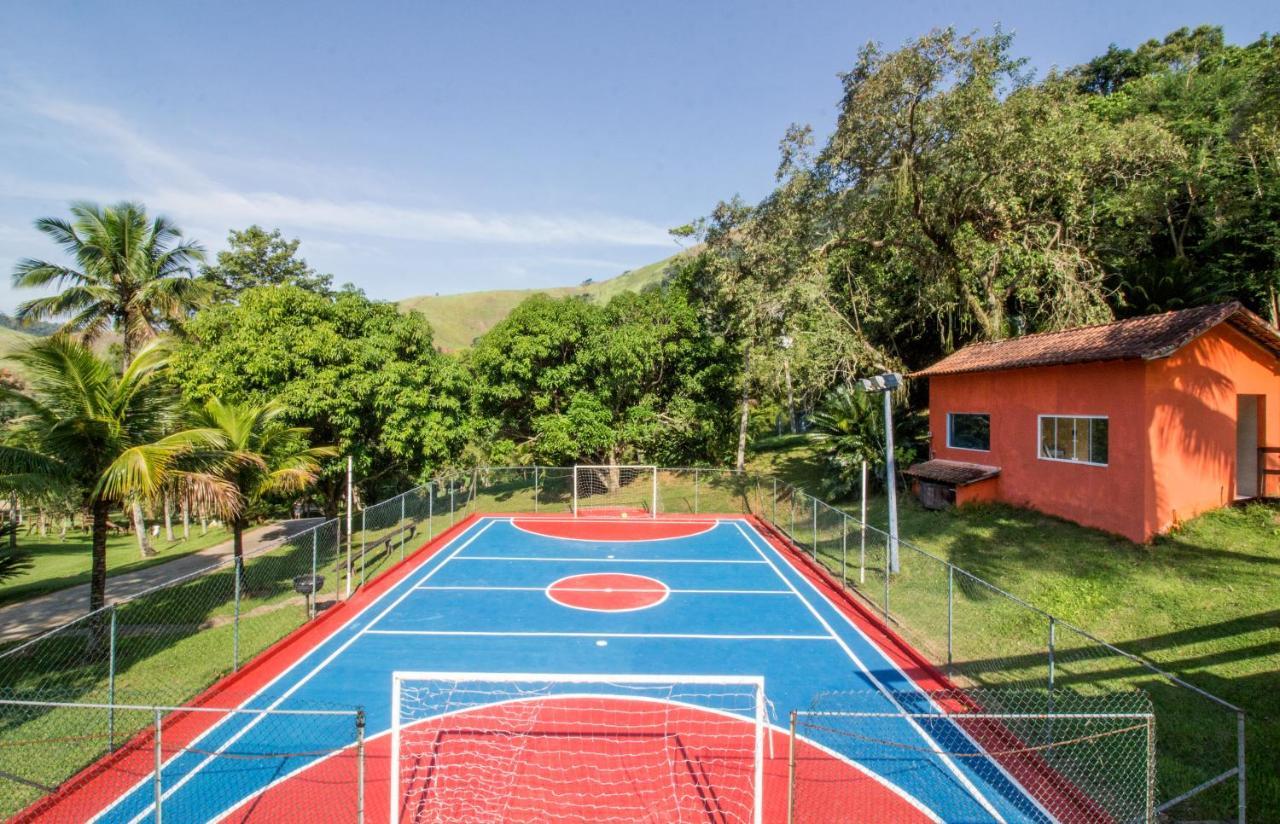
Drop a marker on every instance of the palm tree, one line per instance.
(257, 455)
(132, 274)
(81, 425)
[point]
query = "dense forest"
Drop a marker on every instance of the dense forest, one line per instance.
(956, 198)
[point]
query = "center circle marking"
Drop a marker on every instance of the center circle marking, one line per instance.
(608, 592)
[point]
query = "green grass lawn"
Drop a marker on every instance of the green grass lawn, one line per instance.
(60, 564)
(1202, 602)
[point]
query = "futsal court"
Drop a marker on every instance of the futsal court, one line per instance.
(707, 608)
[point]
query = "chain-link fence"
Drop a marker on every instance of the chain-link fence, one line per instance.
(981, 636)
(178, 763)
(172, 642)
(1078, 758)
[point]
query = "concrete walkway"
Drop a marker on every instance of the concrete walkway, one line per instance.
(44, 612)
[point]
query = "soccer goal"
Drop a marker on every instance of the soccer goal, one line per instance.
(615, 490)
(489, 747)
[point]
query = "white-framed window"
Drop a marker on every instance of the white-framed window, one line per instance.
(1074, 438)
(969, 430)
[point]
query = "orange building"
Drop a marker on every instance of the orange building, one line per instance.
(1129, 427)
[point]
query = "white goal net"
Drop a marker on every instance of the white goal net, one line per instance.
(615, 490)
(489, 747)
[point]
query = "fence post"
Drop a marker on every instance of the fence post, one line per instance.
(695, 491)
(951, 587)
(886, 581)
(315, 540)
(1151, 768)
(815, 526)
(111, 683)
(1240, 777)
(238, 566)
(360, 766)
(364, 543)
(431, 506)
(791, 771)
(775, 501)
(862, 521)
(403, 526)
(1053, 632)
(844, 550)
(159, 764)
(451, 518)
(535, 488)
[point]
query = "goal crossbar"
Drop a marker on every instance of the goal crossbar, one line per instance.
(615, 489)
(523, 688)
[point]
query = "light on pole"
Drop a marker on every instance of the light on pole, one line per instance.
(885, 384)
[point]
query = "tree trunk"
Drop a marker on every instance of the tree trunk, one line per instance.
(98, 574)
(140, 529)
(13, 521)
(168, 518)
(791, 395)
(741, 461)
(186, 517)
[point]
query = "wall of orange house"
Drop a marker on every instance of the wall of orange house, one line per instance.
(1111, 497)
(1191, 419)
(1172, 432)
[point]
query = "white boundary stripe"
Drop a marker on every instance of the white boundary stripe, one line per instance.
(755, 681)
(710, 525)
(451, 588)
(978, 747)
(534, 558)
(168, 791)
(951, 765)
(461, 633)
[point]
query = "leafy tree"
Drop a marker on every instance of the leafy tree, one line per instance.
(358, 373)
(257, 455)
(111, 436)
(132, 274)
(640, 379)
(849, 426)
(256, 257)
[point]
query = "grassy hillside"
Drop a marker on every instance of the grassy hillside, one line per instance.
(460, 319)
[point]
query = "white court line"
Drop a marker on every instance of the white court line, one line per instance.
(955, 770)
(168, 791)
(511, 634)
(590, 560)
(853, 625)
(609, 589)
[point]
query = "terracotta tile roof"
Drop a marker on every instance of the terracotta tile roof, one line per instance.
(952, 472)
(1146, 338)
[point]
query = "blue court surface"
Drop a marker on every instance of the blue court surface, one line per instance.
(721, 600)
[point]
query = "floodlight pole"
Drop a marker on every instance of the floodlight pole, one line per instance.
(892, 482)
(885, 384)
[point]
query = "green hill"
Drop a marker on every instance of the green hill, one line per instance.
(460, 319)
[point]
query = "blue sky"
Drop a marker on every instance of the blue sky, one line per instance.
(443, 147)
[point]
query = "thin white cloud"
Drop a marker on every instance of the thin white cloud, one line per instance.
(169, 183)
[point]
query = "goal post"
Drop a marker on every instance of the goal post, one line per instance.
(480, 746)
(603, 490)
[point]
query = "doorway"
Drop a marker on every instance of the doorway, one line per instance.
(1247, 446)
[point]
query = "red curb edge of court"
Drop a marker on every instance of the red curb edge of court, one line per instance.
(323, 627)
(903, 652)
